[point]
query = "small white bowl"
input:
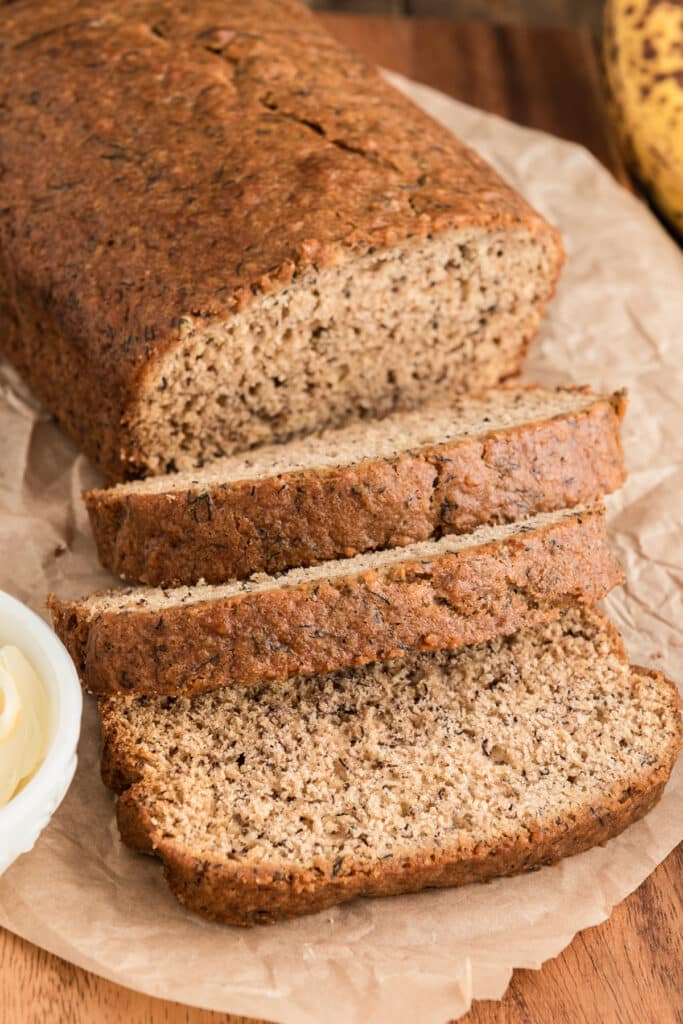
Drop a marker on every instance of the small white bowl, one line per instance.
(26, 815)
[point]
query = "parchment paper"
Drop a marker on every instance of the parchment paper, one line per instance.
(616, 321)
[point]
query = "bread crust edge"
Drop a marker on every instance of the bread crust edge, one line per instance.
(322, 625)
(218, 532)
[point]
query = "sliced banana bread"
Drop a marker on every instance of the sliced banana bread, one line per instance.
(497, 457)
(433, 770)
(457, 590)
(240, 232)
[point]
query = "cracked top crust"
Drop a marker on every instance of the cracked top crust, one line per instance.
(265, 133)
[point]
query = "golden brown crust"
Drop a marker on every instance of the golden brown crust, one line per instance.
(316, 626)
(121, 227)
(301, 518)
(244, 897)
(235, 894)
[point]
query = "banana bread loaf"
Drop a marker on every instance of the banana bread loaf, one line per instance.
(220, 228)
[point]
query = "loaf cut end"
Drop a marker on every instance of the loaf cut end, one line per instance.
(384, 331)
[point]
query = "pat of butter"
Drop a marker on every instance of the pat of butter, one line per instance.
(24, 718)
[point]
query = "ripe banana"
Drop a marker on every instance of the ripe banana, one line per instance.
(643, 54)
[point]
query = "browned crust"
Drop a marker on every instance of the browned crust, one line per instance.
(234, 894)
(301, 518)
(122, 227)
(316, 626)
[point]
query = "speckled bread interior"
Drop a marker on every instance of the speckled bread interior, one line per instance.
(434, 770)
(241, 232)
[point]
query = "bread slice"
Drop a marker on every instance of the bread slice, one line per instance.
(433, 594)
(248, 235)
(498, 457)
(434, 770)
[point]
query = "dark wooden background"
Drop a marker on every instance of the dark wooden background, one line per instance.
(564, 13)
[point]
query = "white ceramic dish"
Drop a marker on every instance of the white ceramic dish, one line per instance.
(26, 815)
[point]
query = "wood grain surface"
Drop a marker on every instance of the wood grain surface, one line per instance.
(628, 970)
(565, 13)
